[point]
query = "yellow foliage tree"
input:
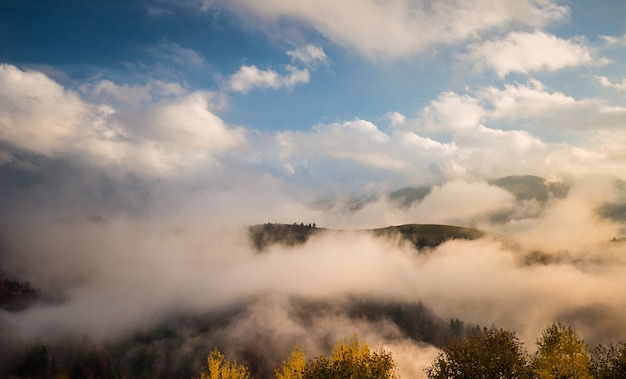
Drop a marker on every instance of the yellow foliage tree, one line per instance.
(561, 354)
(221, 368)
(352, 360)
(294, 366)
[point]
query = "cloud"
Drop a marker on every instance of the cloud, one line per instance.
(458, 201)
(151, 128)
(164, 130)
(250, 77)
(127, 274)
(36, 113)
(613, 40)
(527, 101)
(606, 83)
(358, 142)
(124, 94)
(555, 111)
(528, 107)
(309, 55)
(182, 56)
(188, 123)
(396, 118)
(521, 52)
(398, 28)
(451, 111)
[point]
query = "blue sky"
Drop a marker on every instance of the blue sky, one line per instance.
(315, 99)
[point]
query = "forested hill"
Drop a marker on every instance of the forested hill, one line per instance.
(419, 235)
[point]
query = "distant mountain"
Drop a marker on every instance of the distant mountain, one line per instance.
(529, 187)
(523, 187)
(405, 197)
(613, 211)
(420, 236)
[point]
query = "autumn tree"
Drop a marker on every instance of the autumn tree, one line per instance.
(349, 360)
(609, 362)
(494, 353)
(221, 368)
(561, 354)
(294, 366)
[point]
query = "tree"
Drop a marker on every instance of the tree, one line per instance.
(293, 367)
(352, 360)
(494, 353)
(609, 362)
(561, 354)
(221, 368)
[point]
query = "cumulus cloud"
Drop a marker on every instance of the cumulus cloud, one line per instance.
(527, 101)
(521, 52)
(451, 111)
(250, 77)
(188, 123)
(145, 128)
(36, 113)
(530, 107)
(338, 151)
(555, 111)
(396, 118)
(396, 29)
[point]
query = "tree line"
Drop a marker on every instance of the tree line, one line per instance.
(491, 354)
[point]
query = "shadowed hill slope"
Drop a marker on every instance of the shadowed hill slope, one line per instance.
(419, 235)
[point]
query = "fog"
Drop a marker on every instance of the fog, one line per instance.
(108, 277)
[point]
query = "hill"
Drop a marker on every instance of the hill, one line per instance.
(419, 235)
(15, 295)
(522, 187)
(529, 187)
(428, 235)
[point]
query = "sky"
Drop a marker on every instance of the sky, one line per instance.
(136, 137)
(330, 99)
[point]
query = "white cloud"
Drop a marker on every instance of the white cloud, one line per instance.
(398, 28)
(248, 78)
(188, 123)
(163, 128)
(451, 111)
(527, 52)
(605, 82)
(396, 118)
(309, 55)
(526, 101)
(36, 113)
(550, 111)
(613, 40)
(124, 94)
(353, 151)
(472, 153)
(460, 200)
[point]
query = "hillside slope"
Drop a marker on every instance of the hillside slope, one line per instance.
(419, 235)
